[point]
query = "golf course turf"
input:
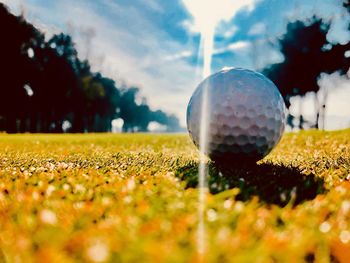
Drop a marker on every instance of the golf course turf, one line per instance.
(132, 198)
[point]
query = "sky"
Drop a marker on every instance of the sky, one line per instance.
(154, 44)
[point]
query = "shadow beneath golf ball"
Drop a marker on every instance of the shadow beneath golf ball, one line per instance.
(273, 184)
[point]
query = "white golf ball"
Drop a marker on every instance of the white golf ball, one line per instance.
(245, 115)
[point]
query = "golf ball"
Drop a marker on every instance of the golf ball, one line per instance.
(244, 115)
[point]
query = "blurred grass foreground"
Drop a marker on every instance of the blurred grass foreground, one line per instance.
(131, 198)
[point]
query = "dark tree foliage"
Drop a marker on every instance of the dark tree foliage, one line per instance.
(137, 116)
(302, 47)
(53, 83)
(44, 84)
(170, 121)
(307, 54)
(15, 67)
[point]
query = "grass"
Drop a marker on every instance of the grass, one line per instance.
(131, 198)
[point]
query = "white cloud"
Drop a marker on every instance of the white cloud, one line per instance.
(30, 12)
(226, 29)
(190, 26)
(230, 32)
(179, 55)
(16, 6)
(234, 47)
(338, 88)
(257, 29)
(329, 10)
(264, 54)
(238, 45)
(142, 62)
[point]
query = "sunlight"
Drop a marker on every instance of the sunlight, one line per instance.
(207, 14)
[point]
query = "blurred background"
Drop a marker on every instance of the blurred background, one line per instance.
(131, 66)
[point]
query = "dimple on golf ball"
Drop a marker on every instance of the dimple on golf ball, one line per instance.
(245, 115)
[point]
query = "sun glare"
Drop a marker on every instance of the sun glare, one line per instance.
(207, 14)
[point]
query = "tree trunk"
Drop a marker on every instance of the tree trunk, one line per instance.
(323, 110)
(301, 118)
(317, 110)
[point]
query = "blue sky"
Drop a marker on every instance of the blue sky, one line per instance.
(154, 44)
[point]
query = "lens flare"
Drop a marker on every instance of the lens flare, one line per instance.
(208, 45)
(207, 14)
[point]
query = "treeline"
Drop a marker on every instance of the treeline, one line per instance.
(46, 87)
(307, 54)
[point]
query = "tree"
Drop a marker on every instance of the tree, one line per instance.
(55, 81)
(127, 108)
(307, 54)
(15, 67)
(170, 121)
(136, 116)
(101, 99)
